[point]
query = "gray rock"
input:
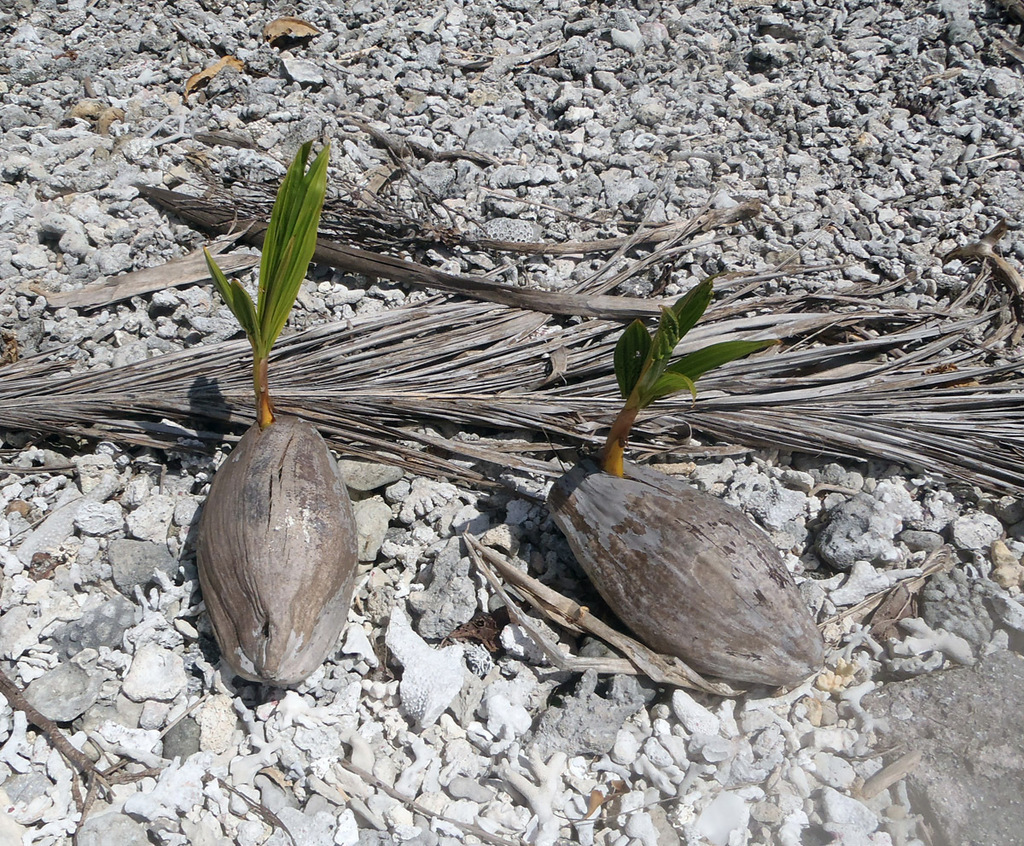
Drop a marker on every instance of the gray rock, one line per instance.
(1003, 82)
(967, 723)
(303, 72)
(845, 814)
(182, 739)
(1008, 611)
(364, 476)
(975, 531)
(487, 140)
(99, 518)
(631, 40)
(133, 563)
(439, 178)
(103, 623)
(919, 541)
(773, 505)
(586, 723)
(577, 56)
(373, 517)
(24, 787)
(107, 829)
(952, 601)
(511, 229)
(65, 692)
(450, 598)
(461, 787)
(862, 528)
(151, 520)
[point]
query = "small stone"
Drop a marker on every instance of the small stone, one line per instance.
(182, 739)
(847, 814)
(1003, 82)
(91, 469)
(302, 72)
(487, 140)
(366, 476)
(511, 229)
(631, 40)
(134, 563)
(155, 673)
(151, 520)
(107, 829)
(65, 692)
(357, 643)
(605, 81)
(626, 748)
(373, 518)
(217, 723)
(726, 814)
(920, 541)
(99, 518)
(1009, 611)
(450, 599)
(102, 624)
(461, 787)
(695, 718)
(975, 531)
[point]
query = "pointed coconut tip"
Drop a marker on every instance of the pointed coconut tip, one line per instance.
(690, 575)
(277, 553)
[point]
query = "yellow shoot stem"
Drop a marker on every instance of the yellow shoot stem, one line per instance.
(264, 407)
(618, 437)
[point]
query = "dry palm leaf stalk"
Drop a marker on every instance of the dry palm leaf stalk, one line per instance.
(854, 378)
(277, 539)
(639, 659)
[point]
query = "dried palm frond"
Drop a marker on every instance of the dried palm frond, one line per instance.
(905, 385)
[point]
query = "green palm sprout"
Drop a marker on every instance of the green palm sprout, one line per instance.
(288, 248)
(644, 373)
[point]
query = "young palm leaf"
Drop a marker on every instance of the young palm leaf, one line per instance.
(288, 247)
(644, 373)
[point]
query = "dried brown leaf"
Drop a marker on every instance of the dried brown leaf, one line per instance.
(282, 30)
(201, 79)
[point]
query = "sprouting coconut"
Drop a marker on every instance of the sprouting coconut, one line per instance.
(690, 575)
(277, 539)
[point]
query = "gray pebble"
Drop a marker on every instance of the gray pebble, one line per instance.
(365, 476)
(919, 541)
(182, 739)
(99, 518)
(859, 529)
(373, 519)
(975, 531)
(450, 598)
(102, 624)
(65, 692)
(461, 787)
(155, 673)
(303, 72)
(108, 829)
(134, 562)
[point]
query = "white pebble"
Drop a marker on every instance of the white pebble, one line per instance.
(155, 673)
(695, 718)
